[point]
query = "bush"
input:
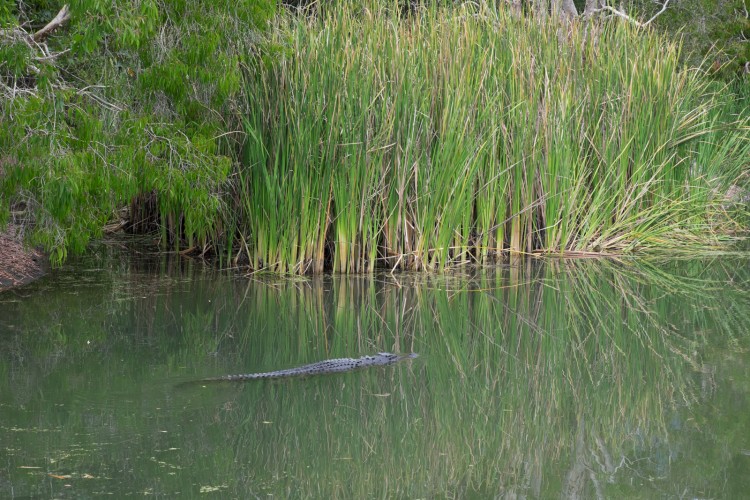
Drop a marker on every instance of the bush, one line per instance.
(125, 98)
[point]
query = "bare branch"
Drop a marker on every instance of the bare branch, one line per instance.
(621, 14)
(663, 8)
(60, 19)
(51, 56)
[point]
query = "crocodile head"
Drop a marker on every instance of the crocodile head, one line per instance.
(411, 355)
(385, 358)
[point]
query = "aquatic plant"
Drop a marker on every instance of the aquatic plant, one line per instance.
(463, 134)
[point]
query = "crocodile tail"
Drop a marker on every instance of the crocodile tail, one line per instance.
(229, 378)
(239, 377)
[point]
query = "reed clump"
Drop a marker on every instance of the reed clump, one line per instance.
(462, 134)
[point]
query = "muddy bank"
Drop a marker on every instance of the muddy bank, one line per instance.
(18, 264)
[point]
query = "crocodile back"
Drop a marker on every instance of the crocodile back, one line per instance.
(336, 365)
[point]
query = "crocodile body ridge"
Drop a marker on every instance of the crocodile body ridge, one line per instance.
(337, 365)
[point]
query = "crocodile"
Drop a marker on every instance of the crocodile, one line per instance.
(321, 367)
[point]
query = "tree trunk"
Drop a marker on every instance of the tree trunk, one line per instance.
(515, 8)
(591, 7)
(566, 9)
(541, 8)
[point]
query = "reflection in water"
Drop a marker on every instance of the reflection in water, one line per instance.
(579, 379)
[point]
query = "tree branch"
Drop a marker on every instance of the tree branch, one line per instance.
(60, 19)
(663, 8)
(621, 14)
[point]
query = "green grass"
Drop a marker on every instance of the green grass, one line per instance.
(463, 135)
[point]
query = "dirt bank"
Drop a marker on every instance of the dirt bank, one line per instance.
(18, 264)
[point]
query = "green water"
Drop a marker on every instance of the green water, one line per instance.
(578, 379)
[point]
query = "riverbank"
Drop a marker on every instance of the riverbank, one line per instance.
(18, 264)
(360, 137)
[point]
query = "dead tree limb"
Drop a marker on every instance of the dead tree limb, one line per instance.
(663, 8)
(621, 14)
(61, 18)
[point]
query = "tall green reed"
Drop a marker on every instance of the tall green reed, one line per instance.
(463, 134)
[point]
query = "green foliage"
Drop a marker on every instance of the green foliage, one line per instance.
(137, 98)
(8, 13)
(463, 134)
(360, 151)
(716, 30)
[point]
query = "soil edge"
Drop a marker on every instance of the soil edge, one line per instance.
(19, 264)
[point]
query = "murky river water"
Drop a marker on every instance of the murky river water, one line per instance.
(580, 379)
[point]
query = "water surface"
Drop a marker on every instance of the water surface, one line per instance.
(577, 379)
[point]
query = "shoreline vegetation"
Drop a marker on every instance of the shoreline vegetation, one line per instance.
(465, 134)
(358, 136)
